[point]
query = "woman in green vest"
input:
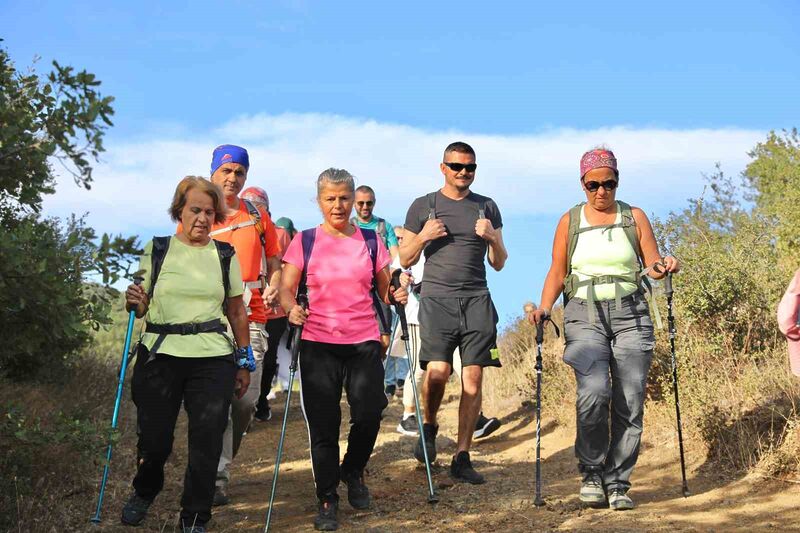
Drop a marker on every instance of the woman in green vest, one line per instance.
(600, 251)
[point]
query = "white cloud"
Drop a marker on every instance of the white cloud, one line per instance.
(525, 174)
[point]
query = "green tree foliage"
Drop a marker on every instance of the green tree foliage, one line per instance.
(730, 282)
(47, 306)
(774, 174)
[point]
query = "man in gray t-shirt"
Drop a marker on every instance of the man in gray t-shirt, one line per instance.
(457, 229)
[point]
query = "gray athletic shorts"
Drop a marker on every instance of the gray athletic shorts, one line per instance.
(468, 323)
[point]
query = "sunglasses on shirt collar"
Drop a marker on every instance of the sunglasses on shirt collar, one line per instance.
(592, 186)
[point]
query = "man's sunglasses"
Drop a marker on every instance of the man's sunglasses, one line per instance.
(458, 167)
(608, 185)
(368, 204)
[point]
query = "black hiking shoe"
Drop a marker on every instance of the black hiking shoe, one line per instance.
(461, 470)
(326, 518)
(429, 432)
(135, 510)
(485, 426)
(263, 414)
(357, 491)
(592, 491)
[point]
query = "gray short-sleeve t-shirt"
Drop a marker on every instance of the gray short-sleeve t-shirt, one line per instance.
(454, 265)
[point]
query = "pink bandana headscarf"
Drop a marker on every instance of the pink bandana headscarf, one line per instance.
(598, 159)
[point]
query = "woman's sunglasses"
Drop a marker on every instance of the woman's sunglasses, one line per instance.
(592, 186)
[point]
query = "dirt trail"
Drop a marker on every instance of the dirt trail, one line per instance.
(504, 503)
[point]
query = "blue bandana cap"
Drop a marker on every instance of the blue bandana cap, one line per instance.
(229, 153)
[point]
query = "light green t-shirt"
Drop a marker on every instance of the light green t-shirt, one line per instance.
(602, 253)
(189, 289)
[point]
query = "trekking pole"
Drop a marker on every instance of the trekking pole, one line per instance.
(401, 313)
(538, 501)
(298, 330)
(392, 336)
(671, 321)
(115, 417)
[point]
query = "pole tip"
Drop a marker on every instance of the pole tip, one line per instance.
(686, 492)
(432, 499)
(538, 502)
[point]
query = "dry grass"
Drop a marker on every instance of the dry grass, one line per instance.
(740, 411)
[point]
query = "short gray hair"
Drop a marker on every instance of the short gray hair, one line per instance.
(335, 176)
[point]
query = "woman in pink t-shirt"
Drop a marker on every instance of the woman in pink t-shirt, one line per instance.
(340, 343)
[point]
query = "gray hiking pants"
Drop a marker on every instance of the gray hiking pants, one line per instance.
(611, 359)
(242, 409)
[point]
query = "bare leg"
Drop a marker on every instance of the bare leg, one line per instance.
(436, 376)
(470, 405)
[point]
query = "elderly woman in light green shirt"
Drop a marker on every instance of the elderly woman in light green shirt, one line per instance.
(186, 356)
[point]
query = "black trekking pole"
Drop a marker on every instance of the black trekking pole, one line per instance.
(115, 417)
(401, 313)
(671, 321)
(538, 501)
(298, 330)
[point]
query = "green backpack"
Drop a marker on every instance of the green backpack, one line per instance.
(572, 283)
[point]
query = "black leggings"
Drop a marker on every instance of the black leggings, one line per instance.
(324, 369)
(275, 329)
(204, 385)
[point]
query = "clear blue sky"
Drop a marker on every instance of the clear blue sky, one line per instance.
(487, 71)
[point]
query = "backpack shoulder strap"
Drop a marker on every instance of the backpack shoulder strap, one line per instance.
(255, 216)
(431, 205)
(629, 227)
(160, 248)
(371, 240)
(225, 252)
(572, 233)
(307, 238)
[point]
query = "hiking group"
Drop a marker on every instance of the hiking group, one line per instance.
(220, 294)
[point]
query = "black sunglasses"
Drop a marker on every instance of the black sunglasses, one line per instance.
(458, 167)
(368, 203)
(608, 185)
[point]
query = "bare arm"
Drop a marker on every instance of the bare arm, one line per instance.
(497, 254)
(554, 282)
(383, 284)
(393, 251)
(413, 243)
(270, 295)
(649, 246)
(237, 316)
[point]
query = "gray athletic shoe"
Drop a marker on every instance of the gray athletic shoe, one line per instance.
(619, 500)
(592, 489)
(221, 495)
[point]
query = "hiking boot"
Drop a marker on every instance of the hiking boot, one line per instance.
(408, 426)
(619, 500)
(485, 426)
(389, 391)
(429, 432)
(401, 383)
(592, 489)
(357, 491)
(135, 510)
(326, 518)
(264, 414)
(221, 495)
(461, 470)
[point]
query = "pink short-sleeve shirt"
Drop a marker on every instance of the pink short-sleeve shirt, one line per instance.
(339, 279)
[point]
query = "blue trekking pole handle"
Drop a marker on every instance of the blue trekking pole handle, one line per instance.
(115, 418)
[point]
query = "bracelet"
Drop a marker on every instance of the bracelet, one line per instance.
(244, 358)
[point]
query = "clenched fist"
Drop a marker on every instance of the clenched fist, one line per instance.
(433, 229)
(485, 230)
